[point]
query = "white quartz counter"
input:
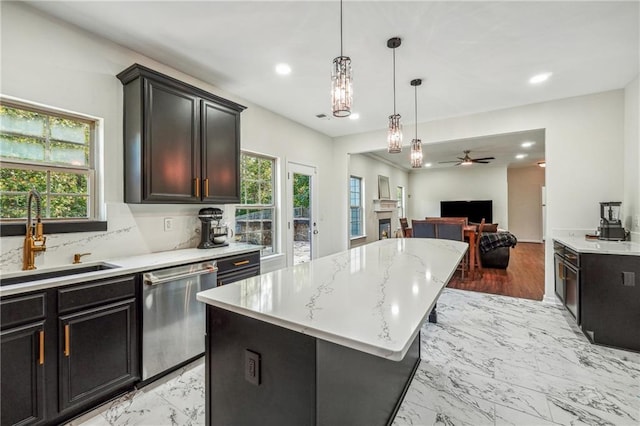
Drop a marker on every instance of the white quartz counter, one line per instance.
(582, 245)
(373, 298)
(123, 266)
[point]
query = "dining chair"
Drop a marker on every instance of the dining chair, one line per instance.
(478, 237)
(464, 220)
(454, 232)
(404, 225)
(423, 229)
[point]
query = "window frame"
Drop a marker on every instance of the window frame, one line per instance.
(273, 206)
(96, 220)
(360, 208)
(401, 200)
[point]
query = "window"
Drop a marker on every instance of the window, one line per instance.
(51, 152)
(355, 201)
(255, 216)
(400, 198)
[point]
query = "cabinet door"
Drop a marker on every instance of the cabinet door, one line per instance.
(172, 146)
(559, 277)
(220, 153)
(97, 351)
(22, 374)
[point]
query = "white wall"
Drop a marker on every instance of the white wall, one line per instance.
(429, 187)
(47, 61)
(631, 206)
(368, 169)
(584, 140)
(525, 202)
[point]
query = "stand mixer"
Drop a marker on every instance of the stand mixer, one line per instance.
(212, 235)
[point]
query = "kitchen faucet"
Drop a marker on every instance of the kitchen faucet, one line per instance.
(34, 240)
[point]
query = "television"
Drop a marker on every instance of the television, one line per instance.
(474, 210)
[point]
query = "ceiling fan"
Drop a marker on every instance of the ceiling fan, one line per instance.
(466, 160)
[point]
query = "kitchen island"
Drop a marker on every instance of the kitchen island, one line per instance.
(332, 341)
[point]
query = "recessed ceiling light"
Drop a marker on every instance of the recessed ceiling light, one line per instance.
(521, 156)
(283, 69)
(540, 78)
(354, 116)
(427, 164)
(527, 144)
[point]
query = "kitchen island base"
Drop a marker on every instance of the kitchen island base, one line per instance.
(260, 373)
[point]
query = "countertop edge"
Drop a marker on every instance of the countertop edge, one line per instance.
(581, 245)
(123, 268)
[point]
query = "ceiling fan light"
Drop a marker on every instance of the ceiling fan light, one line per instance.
(341, 87)
(416, 153)
(542, 164)
(466, 163)
(394, 135)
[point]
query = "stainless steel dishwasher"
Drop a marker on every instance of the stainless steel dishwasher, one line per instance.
(173, 321)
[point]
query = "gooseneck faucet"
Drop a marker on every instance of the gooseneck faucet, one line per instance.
(34, 241)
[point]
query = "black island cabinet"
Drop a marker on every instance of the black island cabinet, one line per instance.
(181, 143)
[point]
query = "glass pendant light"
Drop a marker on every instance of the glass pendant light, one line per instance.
(341, 82)
(394, 135)
(416, 144)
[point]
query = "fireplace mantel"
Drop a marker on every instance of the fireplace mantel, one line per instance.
(384, 205)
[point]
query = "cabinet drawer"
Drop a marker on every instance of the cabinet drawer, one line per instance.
(96, 292)
(22, 309)
(236, 263)
(232, 277)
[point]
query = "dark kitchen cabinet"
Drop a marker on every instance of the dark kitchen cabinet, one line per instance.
(64, 350)
(610, 299)
(181, 143)
(238, 267)
(97, 350)
(22, 359)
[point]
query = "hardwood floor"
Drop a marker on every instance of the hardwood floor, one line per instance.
(523, 278)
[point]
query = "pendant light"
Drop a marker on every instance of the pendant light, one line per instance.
(394, 136)
(416, 144)
(341, 82)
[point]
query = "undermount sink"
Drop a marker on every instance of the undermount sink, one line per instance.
(28, 276)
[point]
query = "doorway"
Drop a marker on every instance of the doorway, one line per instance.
(302, 229)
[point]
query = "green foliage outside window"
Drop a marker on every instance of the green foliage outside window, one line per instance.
(48, 153)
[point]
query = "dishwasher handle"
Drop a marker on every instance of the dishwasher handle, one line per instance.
(150, 278)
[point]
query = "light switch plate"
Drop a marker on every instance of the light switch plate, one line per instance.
(168, 224)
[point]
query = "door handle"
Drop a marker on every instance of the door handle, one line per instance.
(206, 187)
(41, 349)
(66, 340)
(243, 262)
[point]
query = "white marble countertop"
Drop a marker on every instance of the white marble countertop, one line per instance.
(123, 266)
(373, 298)
(582, 245)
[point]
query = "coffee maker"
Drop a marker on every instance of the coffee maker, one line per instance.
(213, 234)
(610, 224)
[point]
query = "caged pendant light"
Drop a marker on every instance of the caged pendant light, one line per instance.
(416, 144)
(341, 82)
(394, 135)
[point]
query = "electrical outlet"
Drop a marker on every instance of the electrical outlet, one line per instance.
(168, 224)
(636, 221)
(252, 367)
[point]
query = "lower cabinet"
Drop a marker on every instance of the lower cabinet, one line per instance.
(63, 351)
(22, 374)
(97, 352)
(238, 267)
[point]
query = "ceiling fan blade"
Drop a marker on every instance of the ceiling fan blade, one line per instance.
(482, 162)
(483, 158)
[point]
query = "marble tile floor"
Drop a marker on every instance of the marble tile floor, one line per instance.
(490, 360)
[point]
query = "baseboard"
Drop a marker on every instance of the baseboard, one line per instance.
(530, 241)
(552, 299)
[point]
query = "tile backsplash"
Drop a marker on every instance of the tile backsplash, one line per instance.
(128, 233)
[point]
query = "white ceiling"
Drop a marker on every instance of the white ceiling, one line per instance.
(472, 56)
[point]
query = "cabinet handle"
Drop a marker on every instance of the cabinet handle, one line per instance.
(66, 340)
(242, 262)
(196, 184)
(41, 356)
(206, 187)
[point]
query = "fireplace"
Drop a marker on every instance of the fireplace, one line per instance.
(384, 228)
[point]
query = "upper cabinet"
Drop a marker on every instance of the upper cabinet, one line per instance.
(181, 143)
